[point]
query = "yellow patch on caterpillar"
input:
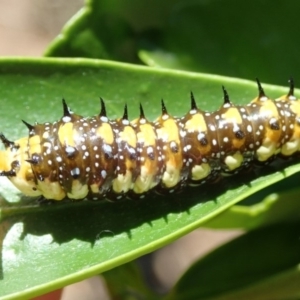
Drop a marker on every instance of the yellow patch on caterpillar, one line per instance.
(238, 143)
(94, 188)
(27, 187)
(34, 144)
(169, 134)
(122, 183)
(146, 135)
(268, 110)
(234, 161)
(128, 135)
(200, 171)
(196, 123)
(144, 181)
(295, 108)
(51, 190)
(232, 115)
(78, 191)
(272, 135)
(66, 134)
(290, 147)
(266, 150)
(5, 160)
(105, 132)
(171, 176)
(24, 179)
(168, 131)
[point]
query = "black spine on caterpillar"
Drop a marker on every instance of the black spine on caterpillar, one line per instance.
(96, 157)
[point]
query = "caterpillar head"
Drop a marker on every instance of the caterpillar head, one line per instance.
(14, 165)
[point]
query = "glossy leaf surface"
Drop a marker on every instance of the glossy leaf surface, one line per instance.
(263, 264)
(66, 243)
(235, 38)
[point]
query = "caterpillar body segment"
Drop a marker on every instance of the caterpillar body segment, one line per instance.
(78, 157)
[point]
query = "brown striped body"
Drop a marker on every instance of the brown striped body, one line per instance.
(99, 158)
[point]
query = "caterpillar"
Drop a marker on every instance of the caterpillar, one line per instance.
(98, 158)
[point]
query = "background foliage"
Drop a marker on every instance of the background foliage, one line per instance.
(74, 241)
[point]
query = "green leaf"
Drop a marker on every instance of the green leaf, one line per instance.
(161, 59)
(127, 282)
(204, 36)
(223, 37)
(275, 208)
(69, 242)
(108, 29)
(263, 264)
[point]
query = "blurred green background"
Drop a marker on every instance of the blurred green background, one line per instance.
(245, 39)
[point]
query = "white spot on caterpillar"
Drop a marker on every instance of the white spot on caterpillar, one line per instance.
(66, 119)
(182, 133)
(103, 174)
(70, 150)
(107, 148)
(46, 135)
(75, 172)
(104, 119)
(200, 136)
(150, 149)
